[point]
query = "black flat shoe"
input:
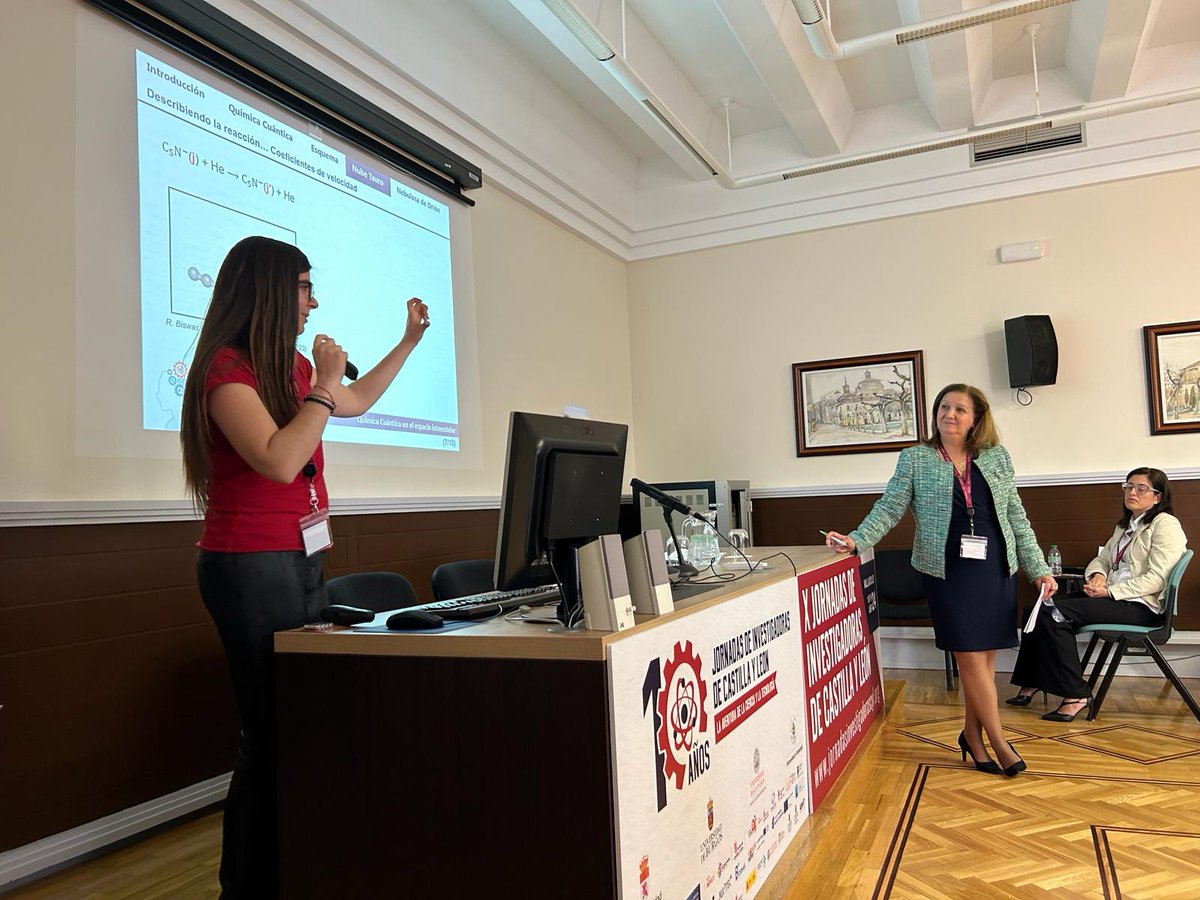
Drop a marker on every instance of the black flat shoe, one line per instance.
(1016, 768)
(1059, 716)
(988, 765)
(1026, 699)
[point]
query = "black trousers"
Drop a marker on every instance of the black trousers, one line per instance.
(1049, 655)
(250, 596)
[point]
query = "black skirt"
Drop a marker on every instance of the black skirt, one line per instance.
(975, 606)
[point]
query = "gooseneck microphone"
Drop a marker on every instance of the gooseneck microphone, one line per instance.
(669, 504)
(662, 499)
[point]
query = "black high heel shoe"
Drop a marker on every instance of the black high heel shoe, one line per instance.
(1059, 716)
(1016, 768)
(1026, 699)
(988, 765)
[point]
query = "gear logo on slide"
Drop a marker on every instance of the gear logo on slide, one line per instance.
(170, 389)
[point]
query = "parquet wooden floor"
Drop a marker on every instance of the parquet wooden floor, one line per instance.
(1108, 809)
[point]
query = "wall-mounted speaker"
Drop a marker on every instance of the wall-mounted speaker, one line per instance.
(1032, 351)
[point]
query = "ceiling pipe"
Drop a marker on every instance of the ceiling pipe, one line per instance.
(826, 46)
(1037, 123)
(620, 69)
(623, 73)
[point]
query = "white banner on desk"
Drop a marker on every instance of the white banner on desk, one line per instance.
(710, 775)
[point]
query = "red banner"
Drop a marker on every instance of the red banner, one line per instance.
(843, 690)
(743, 707)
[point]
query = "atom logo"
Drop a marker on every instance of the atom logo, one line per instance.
(681, 710)
(683, 716)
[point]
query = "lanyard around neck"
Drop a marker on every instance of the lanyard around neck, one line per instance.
(1120, 554)
(964, 481)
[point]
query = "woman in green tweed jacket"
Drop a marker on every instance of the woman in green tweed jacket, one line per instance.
(972, 534)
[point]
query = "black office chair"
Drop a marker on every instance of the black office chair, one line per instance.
(376, 591)
(463, 578)
(902, 595)
(1139, 640)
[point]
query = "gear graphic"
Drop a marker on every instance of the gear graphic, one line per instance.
(681, 710)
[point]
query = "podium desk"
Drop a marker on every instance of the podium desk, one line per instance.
(466, 763)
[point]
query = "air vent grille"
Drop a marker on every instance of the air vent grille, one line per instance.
(1021, 132)
(959, 23)
(997, 149)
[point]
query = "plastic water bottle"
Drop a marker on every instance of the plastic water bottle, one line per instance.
(1055, 613)
(1054, 561)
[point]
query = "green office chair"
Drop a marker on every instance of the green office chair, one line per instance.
(1138, 636)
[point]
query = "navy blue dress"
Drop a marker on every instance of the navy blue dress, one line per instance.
(975, 606)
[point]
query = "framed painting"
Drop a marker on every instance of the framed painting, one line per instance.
(1173, 377)
(859, 404)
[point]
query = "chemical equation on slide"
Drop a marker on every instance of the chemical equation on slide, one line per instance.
(191, 158)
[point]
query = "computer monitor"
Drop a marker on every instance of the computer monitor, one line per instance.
(562, 488)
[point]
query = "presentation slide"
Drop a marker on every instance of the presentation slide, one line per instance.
(213, 169)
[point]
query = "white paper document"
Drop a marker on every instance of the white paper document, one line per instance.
(1037, 607)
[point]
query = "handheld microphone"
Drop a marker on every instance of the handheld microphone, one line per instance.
(351, 370)
(663, 499)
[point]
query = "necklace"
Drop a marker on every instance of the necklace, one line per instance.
(959, 467)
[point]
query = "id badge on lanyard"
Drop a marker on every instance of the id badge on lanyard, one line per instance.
(314, 528)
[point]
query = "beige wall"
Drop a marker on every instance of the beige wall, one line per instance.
(1120, 256)
(37, 284)
(551, 308)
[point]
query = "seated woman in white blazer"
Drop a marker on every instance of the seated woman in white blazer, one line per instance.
(1126, 584)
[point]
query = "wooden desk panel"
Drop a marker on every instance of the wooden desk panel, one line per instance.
(408, 777)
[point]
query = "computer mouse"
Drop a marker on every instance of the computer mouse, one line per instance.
(413, 620)
(340, 614)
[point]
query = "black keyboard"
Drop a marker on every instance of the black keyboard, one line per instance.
(491, 603)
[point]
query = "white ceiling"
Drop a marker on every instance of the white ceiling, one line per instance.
(789, 108)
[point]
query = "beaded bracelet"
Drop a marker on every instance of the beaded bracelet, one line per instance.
(324, 390)
(313, 398)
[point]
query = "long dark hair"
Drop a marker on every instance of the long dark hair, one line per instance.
(983, 433)
(254, 310)
(1158, 480)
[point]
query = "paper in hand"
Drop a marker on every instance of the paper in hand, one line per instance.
(1045, 592)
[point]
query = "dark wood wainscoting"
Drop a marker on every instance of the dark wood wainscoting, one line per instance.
(113, 685)
(1078, 518)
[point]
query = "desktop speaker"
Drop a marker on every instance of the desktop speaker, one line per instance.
(605, 585)
(1032, 351)
(646, 566)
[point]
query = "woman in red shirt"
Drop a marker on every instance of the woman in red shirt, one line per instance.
(254, 410)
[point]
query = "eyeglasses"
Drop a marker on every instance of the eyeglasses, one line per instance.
(307, 287)
(1140, 489)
